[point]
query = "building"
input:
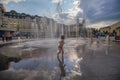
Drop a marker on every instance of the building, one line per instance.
(0, 15)
(47, 27)
(112, 29)
(116, 27)
(19, 23)
(25, 25)
(106, 29)
(2, 10)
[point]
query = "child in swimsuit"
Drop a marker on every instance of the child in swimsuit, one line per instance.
(60, 46)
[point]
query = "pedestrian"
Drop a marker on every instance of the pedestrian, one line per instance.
(60, 46)
(98, 35)
(3, 38)
(108, 38)
(91, 38)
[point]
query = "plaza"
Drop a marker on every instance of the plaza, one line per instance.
(83, 60)
(59, 40)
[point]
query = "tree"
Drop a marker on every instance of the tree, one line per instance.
(13, 12)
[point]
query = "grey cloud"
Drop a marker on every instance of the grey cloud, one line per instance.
(101, 10)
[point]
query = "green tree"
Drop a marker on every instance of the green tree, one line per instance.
(13, 12)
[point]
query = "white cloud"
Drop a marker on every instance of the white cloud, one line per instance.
(65, 19)
(56, 1)
(69, 16)
(75, 10)
(7, 1)
(101, 24)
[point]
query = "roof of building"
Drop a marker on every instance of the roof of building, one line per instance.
(105, 27)
(7, 29)
(118, 23)
(17, 15)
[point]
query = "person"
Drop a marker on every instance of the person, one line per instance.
(108, 38)
(91, 38)
(3, 38)
(60, 46)
(98, 35)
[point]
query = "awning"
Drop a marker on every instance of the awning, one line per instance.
(117, 28)
(28, 30)
(7, 29)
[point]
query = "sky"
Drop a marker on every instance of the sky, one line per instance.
(97, 13)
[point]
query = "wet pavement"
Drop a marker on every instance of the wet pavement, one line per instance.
(82, 60)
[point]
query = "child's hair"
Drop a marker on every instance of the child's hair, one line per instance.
(62, 37)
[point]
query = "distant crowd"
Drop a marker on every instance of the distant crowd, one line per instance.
(97, 33)
(7, 36)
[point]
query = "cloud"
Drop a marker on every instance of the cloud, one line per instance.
(56, 1)
(101, 10)
(65, 19)
(71, 14)
(75, 11)
(101, 24)
(7, 1)
(100, 13)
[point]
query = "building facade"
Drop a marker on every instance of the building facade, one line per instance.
(2, 9)
(47, 27)
(113, 29)
(116, 27)
(106, 29)
(0, 15)
(23, 24)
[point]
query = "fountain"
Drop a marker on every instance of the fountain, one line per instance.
(59, 8)
(35, 29)
(51, 25)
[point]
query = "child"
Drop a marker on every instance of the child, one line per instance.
(108, 38)
(60, 46)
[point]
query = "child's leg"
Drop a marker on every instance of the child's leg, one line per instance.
(62, 50)
(59, 52)
(62, 55)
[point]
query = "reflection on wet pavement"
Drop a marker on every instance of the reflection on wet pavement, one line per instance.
(82, 60)
(5, 61)
(61, 66)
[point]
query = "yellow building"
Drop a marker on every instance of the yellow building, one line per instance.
(2, 10)
(115, 27)
(16, 21)
(106, 29)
